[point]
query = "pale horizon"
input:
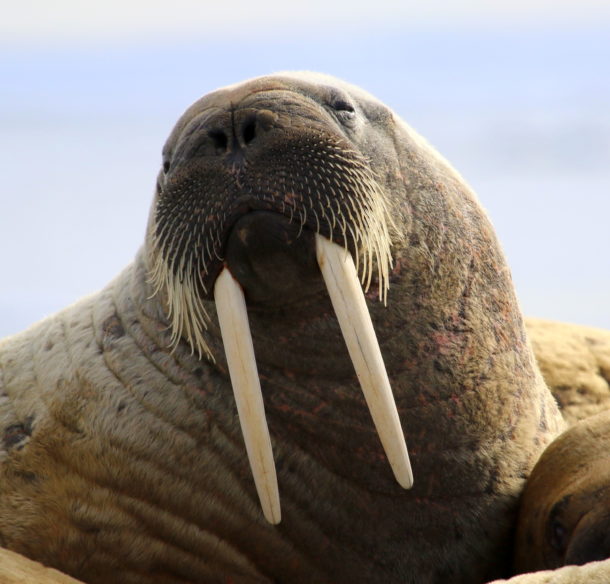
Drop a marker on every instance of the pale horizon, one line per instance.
(69, 21)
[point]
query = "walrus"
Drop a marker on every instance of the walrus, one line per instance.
(124, 457)
(575, 363)
(565, 513)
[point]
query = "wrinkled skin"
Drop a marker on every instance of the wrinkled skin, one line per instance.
(123, 460)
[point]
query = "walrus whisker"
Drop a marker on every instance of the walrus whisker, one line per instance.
(317, 220)
(352, 313)
(185, 311)
(355, 240)
(329, 223)
(200, 280)
(216, 254)
(207, 248)
(239, 351)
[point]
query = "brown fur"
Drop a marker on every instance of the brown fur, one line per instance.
(124, 460)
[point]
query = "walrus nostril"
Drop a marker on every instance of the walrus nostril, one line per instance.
(219, 139)
(249, 131)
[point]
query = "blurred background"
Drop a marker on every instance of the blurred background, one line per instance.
(516, 94)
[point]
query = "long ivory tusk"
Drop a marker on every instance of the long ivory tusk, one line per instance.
(237, 340)
(354, 319)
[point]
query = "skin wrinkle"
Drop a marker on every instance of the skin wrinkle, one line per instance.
(462, 448)
(156, 412)
(119, 504)
(158, 416)
(168, 422)
(219, 428)
(303, 503)
(179, 374)
(47, 397)
(126, 385)
(297, 509)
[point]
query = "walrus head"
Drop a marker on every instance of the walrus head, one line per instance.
(564, 517)
(276, 147)
(275, 172)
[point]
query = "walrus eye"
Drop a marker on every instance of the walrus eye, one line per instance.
(559, 536)
(344, 110)
(342, 105)
(166, 166)
(557, 533)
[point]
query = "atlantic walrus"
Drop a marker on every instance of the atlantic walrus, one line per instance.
(122, 453)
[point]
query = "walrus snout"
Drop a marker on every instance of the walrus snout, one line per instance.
(261, 147)
(272, 259)
(226, 134)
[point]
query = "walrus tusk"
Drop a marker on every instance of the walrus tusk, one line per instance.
(237, 340)
(354, 319)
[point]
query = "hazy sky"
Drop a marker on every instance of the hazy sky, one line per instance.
(36, 20)
(514, 94)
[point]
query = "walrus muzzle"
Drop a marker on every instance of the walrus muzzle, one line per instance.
(294, 161)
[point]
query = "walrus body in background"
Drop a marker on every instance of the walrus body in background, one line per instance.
(122, 455)
(575, 363)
